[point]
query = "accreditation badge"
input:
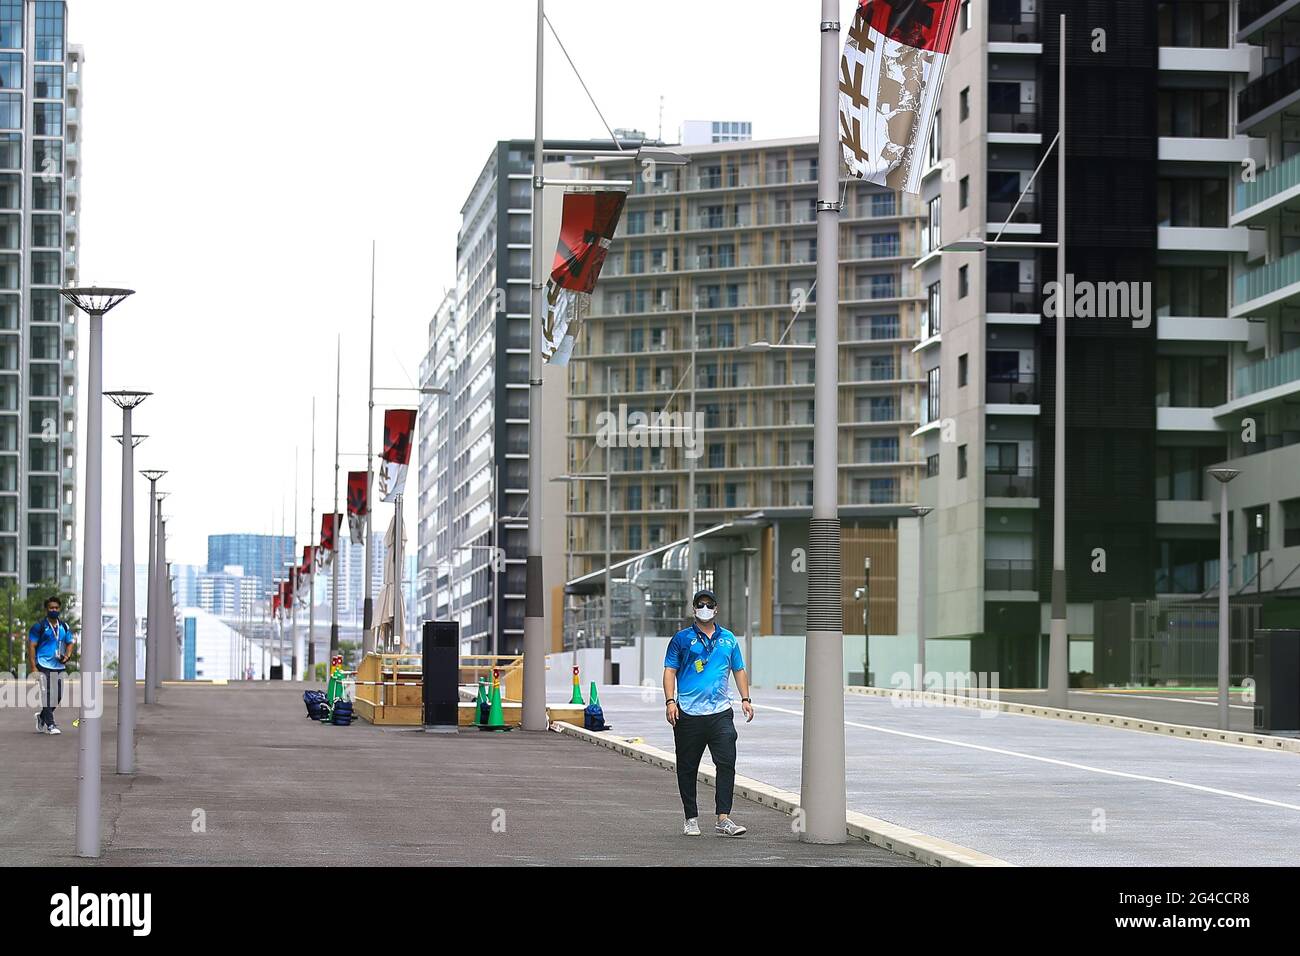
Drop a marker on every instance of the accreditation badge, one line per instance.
(699, 666)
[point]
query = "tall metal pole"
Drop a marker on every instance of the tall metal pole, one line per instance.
(92, 701)
(368, 607)
(920, 511)
(151, 629)
(822, 779)
(334, 550)
(311, 568)
(293, 598)
(690, 476)
(1224, 671)
(166, 659)
(609, 582)
(534, 703)
(156, 607)
(126, 693)
(1058, 652)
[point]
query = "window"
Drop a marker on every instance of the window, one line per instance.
(962, 365)
(1186, 201)
(965, 15)
(961, 461)
(47, 119)
(884, 327)
(1001, 458)
(963, 192)
(1192, 113)
(47, 195)
(932, 466)
(932, 395)
(963, 282)
(1196, 24)
(49, 30)
(1256, 529)
(882, 491)
(934, 232)
(884, 450)
(882, 204)
(11, 150)
(46, 268)
(47, 156)
(964, 101)
(11, 24)
(1192, 290)
(11, 71)
(1291, 522)
(882, 409)
(11, 111)
(1191, 381)
(49, 83)
(1180, 472)
(933, 317)
(936, 140)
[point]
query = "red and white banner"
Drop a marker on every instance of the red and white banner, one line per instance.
(890, 75)
(328, 525)
(587, 228)
(275, 604)
(399, 427)
(358, 504)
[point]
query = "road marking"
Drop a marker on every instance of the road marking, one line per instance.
(1052, 760)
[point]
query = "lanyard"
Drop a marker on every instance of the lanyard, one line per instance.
(57, 632)
(706, 642)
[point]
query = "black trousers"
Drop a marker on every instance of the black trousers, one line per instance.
(690, 736)
(51, 691)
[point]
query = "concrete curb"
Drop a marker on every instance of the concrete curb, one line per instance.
(929, 850)
(1181, 731)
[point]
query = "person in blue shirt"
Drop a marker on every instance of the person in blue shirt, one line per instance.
(49, 646)
(699, 661)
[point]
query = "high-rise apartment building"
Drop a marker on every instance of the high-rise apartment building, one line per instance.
(713, 260)
(1161, 361)
(40, 121)
(474, 441)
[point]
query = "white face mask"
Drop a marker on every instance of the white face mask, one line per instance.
(705, 613)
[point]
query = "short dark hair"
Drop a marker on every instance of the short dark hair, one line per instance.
(54, 599)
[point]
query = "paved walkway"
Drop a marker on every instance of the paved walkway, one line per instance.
(272, 787)
(1028, 790)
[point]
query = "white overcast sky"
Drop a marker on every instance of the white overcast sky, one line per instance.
(239, 157)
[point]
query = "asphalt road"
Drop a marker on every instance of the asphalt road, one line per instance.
(1029, 790)
(237, 775)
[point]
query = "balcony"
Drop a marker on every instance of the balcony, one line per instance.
(1276, 372)
(1022, 301)
(1000, 209)
(1266, 284)
(1269, 90)
(1026, 31)
(1004, 391)
(1020, 483)
(1021, 122)
(1002, 574)
(1273, 186)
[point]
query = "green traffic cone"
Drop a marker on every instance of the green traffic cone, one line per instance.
(496, 718)
(595, 699)
(577, 690)
(481, 705)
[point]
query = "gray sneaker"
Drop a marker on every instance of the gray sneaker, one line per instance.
(729, 828)
(40, 725)
(691, 827)
(52, 728)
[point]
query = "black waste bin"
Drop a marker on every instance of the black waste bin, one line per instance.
(1277, 681)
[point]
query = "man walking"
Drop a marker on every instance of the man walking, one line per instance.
(49, 646)
(699, 660)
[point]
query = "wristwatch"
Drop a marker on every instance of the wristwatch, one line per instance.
(670, 700)
(745, 700)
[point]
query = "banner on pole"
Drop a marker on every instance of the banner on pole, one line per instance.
(399, 426)
(587, 226)
(358, 504)
(890, 75)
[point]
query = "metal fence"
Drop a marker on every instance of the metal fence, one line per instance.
(1179, 643)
